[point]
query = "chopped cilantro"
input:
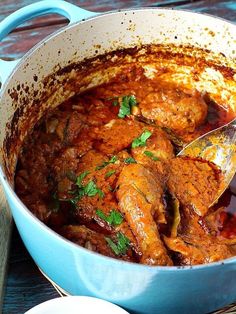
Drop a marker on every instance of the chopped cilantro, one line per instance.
(80, 178)
(141, 140)
(100, 193)
(105, 163)
(151, 155)
(130, 160)
(114, 218)
(126, 104)
(109, 173)
(113, 160)
(121, 246)
(91, 189)
(113, 246)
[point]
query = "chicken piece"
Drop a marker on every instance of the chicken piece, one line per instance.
(93, 241)
(155, 153)
(194, 244)
(158, 144)
(193, 182)
(103, 171)
(84, 141)
(201, 251)
(139, 197)
(86, 213)
(66, 161)
(99, 113)
(181, 111)
(69, 126)
(116, 135)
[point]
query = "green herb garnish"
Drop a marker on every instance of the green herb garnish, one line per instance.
(113, 246)
(80, 178)
(105, 163)
(151, 155)
(130, 160)
(114, 218)
(141, 140)
(109, 173)
(121, 246)
(126, 104)
(90, 189)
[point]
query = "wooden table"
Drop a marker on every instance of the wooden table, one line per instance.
(25, 285)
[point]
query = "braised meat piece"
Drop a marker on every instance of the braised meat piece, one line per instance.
(140, 197)
(116, 135)
(194, 244)
(171, 107)
(93, 241)
(201, 251)
(155, 154)
(194, 183)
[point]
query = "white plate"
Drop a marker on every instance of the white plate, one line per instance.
(76, 305)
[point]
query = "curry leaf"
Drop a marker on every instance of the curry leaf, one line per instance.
(176, 218)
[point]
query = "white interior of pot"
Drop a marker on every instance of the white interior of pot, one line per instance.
(26, 88)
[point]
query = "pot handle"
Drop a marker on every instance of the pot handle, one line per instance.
(70, 11)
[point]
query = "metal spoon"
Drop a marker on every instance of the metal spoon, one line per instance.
(219, 147)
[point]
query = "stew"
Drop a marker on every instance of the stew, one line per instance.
(102, 170)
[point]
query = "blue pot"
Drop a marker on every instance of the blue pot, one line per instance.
(138, 288)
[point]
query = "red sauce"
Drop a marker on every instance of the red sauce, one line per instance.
(87, 135)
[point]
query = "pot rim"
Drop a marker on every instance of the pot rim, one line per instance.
(95, 16)
(26, 212)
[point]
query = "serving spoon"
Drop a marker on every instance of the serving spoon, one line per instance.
(217, 146)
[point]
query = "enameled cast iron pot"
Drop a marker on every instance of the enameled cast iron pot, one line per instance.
(39, 81)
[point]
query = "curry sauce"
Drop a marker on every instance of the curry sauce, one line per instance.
(101, 170)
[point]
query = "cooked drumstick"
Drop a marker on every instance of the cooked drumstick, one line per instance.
(139, 197)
